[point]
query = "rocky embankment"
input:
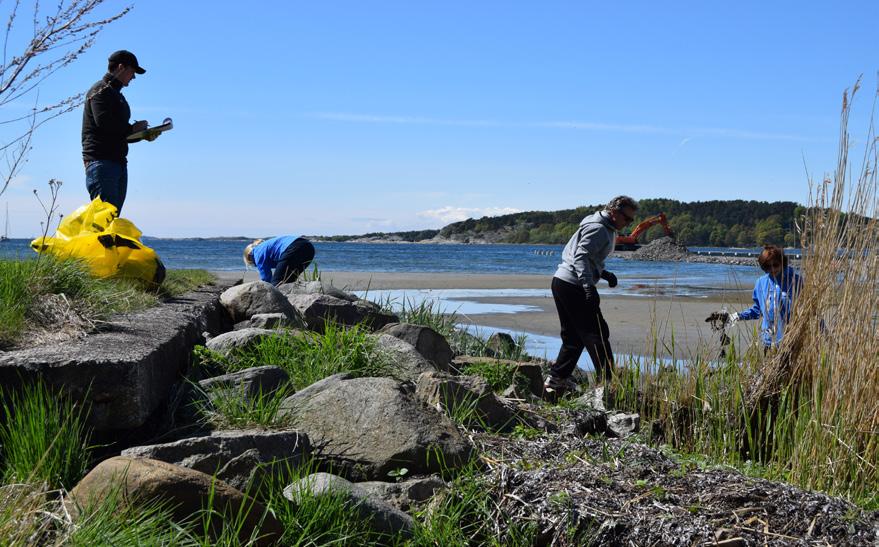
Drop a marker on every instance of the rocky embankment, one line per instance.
(577, 472)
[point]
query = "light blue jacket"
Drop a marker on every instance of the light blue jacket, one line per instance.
(773, 301)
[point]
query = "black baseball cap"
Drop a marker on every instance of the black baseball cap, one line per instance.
(126, 58)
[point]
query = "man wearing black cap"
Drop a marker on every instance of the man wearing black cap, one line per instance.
(105, 129)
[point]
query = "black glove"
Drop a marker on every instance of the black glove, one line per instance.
(718, 320)
(610, 278)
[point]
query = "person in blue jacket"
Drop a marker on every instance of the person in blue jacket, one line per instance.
(774, 295)
(279, 259)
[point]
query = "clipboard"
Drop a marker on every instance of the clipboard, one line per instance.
(150, 131)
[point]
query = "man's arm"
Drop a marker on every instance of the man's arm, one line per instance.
(592, 241)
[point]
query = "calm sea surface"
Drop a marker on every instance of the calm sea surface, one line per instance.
(645, 277)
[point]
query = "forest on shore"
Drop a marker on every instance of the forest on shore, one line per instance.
(722, 223)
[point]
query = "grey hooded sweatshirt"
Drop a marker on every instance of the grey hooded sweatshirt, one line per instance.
(584, 255)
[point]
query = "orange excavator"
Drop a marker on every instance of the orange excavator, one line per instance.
(630, 242)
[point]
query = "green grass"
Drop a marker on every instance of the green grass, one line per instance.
(232, 408)
(178, 282)
(44, 438)
(308, 356)
(323, 520)
(499, 375)
(24, 282)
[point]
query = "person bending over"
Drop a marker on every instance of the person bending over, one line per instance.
(279, 259)
(774, 295)
(576, 296)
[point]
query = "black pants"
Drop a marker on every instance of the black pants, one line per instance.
(295, 258)
(583, 326)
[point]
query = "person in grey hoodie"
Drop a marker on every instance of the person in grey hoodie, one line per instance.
(576, 297)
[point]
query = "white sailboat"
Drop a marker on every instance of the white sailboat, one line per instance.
(5, 236)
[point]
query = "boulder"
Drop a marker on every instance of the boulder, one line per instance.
(500, 344)
(469, 398)
(622, 424)
(248, 299)
(589, 422)
(275, 321)
(242, 339)
(382, 517)
(315, 287)
(235, 456)
(593, 398)
(320, 308)
(184, 491)
(127, 373)
(366, 427)
(250, 382)
(406, 361)
(533, 372)
(429, 343)
(404, 495)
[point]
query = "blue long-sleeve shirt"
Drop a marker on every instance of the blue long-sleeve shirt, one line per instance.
(773, 300)
(267, 254)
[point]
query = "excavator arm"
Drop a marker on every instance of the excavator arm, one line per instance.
(631, 240)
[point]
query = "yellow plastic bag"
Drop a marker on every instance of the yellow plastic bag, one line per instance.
(110, 245)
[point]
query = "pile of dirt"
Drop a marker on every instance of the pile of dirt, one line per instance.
(664, 248)
(614, 492)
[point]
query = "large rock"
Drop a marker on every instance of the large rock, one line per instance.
(406, 362)
(127, 373)
(366, 427)
(250, 382)
(428, 342)
(533, 372)
(225, 452)
(500, 344)
(622, 424)
(315, 287)
(382, 517)
(469, 398)
(241, 339)
(406, 494)
(275, 321)
(184, 491)
(320, 308)
(246, 300)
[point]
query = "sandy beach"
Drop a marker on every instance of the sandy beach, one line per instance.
(635, 321)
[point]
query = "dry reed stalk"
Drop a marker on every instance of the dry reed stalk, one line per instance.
(829, 357)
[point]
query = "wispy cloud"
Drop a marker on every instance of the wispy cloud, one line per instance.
(576, 125)
(455, 214)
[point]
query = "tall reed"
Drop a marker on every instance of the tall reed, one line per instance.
(808, 411)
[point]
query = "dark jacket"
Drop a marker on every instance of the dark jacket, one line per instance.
(105, 122)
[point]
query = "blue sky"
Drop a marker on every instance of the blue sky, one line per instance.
(349, 117)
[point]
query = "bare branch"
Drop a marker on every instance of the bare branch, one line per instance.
(58, 36)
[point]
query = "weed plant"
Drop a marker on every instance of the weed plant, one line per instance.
(308, 356)
(232, 408)
(44, 438)
(24, 282)
(805, 412)
(316, 520)
(499, 375)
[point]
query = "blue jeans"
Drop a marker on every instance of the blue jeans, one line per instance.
(107, 179)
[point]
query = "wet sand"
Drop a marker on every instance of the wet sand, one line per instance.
(634, 322)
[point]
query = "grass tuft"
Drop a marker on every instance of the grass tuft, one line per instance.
(44, 438)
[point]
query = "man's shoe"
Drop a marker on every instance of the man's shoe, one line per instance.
(554, 384)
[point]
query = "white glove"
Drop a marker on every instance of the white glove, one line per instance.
(733, 319)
